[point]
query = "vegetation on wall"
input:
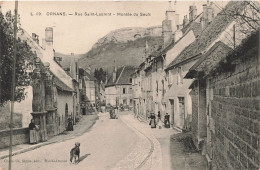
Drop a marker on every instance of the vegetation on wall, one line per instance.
(246, 50)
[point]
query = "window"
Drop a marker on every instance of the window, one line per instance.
(163, 90)
(124, 90)
(130, 80)
(179, 76)
(169, 78)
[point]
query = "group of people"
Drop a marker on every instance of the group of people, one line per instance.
(154, 122)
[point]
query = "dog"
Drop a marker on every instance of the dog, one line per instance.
(74, 153)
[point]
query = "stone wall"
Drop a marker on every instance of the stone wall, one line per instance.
(236, 115)
(20, 136)
(5, 113)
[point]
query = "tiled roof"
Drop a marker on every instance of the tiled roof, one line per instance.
(209, 59)
(123, 75)
(66, 60)
(208, 35)
(47, 56)
(61, 85)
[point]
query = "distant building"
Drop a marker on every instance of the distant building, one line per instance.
(118, 89)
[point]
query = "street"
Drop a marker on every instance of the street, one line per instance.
(123, 143)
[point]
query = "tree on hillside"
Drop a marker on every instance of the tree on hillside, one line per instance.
(100, 74)
(24, 57)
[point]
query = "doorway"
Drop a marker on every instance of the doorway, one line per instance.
(172, 111)
(66, 115)
(181, 111)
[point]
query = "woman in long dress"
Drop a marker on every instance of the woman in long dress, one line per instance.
(167, 120)
(70, 124)
(153, 120)
(33, 132)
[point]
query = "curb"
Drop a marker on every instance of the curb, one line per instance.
(48, 143)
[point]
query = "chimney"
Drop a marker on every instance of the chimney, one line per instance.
(35, 38)
(210, 12)
(73, 67)
(185, 21)
(146, 51)
(204, 19)
(192, 12)
(166, 32)
(49, 36)
(114, 74)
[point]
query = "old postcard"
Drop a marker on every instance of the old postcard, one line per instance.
(129, 85)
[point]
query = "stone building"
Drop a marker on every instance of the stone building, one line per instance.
(91, 84)
(55, 93)
(176, 37)
(226, 104)
(178, 63)
(119, 87)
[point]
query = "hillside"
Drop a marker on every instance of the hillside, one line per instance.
(125, 46)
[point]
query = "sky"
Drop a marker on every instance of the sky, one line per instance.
(77, 34)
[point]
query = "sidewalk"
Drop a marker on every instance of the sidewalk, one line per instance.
(177, 149)
(154, 151)
(85, 123)
(184, 154)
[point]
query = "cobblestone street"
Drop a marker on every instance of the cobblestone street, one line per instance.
(123, 143)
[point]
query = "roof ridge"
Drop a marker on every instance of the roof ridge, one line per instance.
(120, 74)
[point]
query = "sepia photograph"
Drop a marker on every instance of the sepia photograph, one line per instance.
(130, 85)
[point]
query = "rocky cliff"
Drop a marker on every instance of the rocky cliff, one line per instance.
(124, 46)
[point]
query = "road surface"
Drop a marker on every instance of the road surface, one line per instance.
(122, 143)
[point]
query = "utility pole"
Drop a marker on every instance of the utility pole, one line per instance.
(13, 87)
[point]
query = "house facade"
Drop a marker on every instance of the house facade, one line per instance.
(118, 89)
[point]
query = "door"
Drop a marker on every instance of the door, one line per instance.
(172, 112)
(181, 111)
(66, 115)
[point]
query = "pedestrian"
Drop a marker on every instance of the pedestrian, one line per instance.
(167, 120)
(33, 132)
(159, 116)
(70, 125)
(152, 120)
